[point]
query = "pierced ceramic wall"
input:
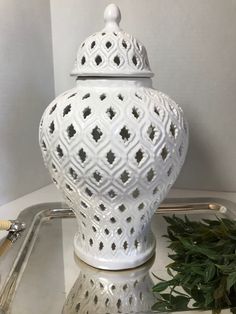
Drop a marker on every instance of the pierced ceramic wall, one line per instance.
(114, 152)
(114, 147)
(104, 52)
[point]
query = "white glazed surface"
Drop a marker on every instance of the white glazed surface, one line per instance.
(114, 149)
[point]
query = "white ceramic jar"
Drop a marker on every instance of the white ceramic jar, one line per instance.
(114, 146)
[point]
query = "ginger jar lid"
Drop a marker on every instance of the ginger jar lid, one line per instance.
(112, 51)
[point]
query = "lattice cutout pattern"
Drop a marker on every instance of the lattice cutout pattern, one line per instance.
(95, 292)
(114, 153)
(108, 52)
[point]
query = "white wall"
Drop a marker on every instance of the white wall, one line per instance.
(26, 87)
(192, 49)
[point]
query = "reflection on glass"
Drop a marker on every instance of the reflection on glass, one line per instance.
(103, 292)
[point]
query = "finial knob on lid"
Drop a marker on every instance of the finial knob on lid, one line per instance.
(112, 17)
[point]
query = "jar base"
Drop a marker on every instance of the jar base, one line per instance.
(117, 263)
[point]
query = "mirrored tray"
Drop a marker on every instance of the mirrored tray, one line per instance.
(40, 274)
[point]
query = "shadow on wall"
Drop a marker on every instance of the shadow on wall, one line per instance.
(26, 87)
(198, 162)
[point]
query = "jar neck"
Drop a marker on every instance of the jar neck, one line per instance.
(125, 82)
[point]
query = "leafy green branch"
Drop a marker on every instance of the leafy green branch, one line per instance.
(203, 268)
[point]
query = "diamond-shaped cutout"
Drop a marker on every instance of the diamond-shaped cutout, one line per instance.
(117, 60)
(93, 44)
(164, 153)
(84, 204)
(111, 113)
(138, 96)
(112, 194)
(110, 157)
(83, 60)
(170, 170)
(68, 187)
(136, 243)
(44, 147)
(125, 134)
(134, 60)
(86, 112)
(141, 206)
(129, 219)
(108, 44)
(52, 127)
(150, 175)
(113, 220)
(98, 60)
(135, 193)
(53, 108)
(124, 44)
(151, 131)
(122, 208)
(139, 156)
(70, 131)
(54, 168)
(173, 129)
(121, 97)
(101, 246)
(119, 231)
(155, 190)
(106, 231)
(96, 218)
(135, 112)
(59, 151)
(66, 110)
(73, 174)
(97, 176)
(157, 111)
(88, 192)
(97, 134)
(125, 176)
(87, 95)
(82, 155)
(102, 207)
(125, 245)
(103, 96)
(72, 95)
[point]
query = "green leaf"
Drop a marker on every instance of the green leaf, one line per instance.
(210, 272)
(231, 280)
(180, 302)
(161, 286)
(208, 299)
(159, 306)
(186, 242)
(165, 296)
